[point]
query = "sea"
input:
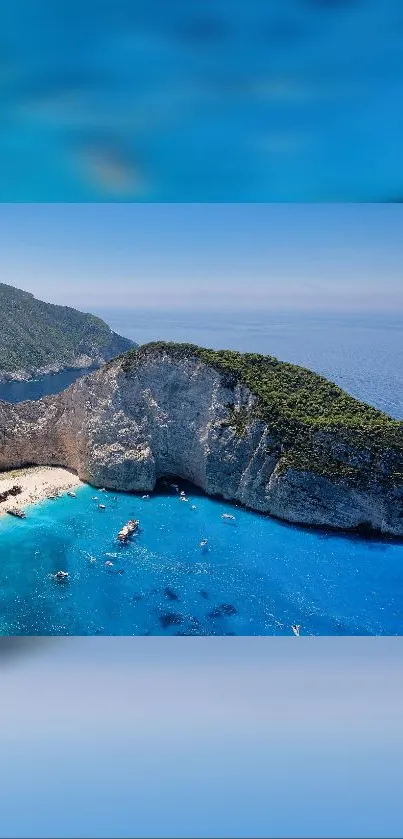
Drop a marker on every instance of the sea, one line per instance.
(255, 575)
(39, 388)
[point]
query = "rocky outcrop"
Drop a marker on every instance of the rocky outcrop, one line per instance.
(126, 426)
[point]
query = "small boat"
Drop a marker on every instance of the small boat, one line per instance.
(95, 498)
(228, 516)
(19, 514)
(52, 497)
(61, 575)
(92, 559)
(203, 543)
(71, 494)
(193, 507)
(108, 564)
(102, 489)
(296, 628)
(101, 507)
(182, 493)
(145, 496)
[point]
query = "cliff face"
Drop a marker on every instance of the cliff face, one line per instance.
(124, 427)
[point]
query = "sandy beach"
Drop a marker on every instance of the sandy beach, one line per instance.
(37, 483)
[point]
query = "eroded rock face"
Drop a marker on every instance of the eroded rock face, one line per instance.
(171, 417)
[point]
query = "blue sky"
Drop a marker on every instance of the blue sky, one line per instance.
(342, 257)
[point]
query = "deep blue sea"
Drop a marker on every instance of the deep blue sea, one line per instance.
(266, 574)
(39, 388)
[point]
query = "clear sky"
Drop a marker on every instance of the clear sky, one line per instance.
(341, 257)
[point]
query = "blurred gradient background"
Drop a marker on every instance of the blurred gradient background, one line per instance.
(201, 737)
(221, 100)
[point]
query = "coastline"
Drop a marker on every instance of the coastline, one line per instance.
(32, 373)
(37, 483)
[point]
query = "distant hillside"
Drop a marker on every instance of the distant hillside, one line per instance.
(38, 337)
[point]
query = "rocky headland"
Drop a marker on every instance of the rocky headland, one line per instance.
(272, 436)
(38, 338)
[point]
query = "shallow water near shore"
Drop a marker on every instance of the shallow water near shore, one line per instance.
(257, 577)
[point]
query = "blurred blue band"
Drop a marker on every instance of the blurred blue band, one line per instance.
(220, 100)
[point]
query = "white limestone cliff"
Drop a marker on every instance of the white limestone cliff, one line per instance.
(169, 416)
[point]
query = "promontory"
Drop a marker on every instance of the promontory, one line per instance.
(38, 338)
(272, 436)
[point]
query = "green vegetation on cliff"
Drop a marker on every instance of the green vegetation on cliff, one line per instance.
(298, 404)
(35, 334)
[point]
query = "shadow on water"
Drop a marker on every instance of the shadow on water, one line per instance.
(373, 539)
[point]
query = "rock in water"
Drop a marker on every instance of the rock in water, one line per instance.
(272, 436)
(225, 610)
(170, 593)
(170, 619)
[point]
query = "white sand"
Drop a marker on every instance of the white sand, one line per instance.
(37, 482)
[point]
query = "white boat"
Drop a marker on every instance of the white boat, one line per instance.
(145, 496)
(228, 516)
(61, 575)
(296, 628)
(101, 507)
(203, 543)
(71, 494)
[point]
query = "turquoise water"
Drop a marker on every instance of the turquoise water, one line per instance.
(266, 574)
